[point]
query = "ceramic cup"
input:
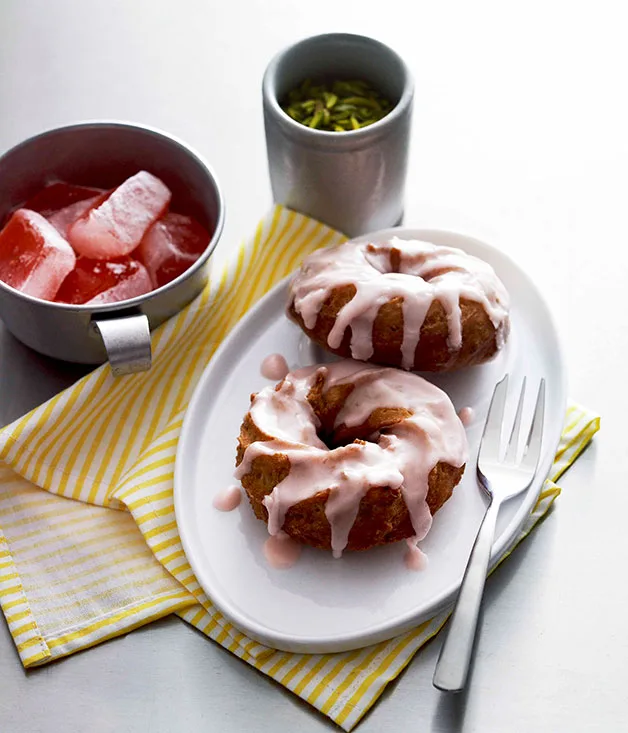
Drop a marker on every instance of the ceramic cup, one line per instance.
(103, 154)
(353, 181)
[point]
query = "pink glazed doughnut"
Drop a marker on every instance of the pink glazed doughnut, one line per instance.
(403, 303)
(349, 455)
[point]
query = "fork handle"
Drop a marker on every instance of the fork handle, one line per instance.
(455, 655)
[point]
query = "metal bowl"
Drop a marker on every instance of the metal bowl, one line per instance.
(103, 154)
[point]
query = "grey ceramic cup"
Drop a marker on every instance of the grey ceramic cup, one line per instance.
(103, 154)
(353, 181)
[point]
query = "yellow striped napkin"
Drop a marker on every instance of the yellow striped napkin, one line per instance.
(98, 553)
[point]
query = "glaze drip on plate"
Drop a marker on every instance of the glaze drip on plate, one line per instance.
(466, 416)
(417, 272)
(400, 456)
(414, 558)
(228, 500)
(274, 367)
(281, 551)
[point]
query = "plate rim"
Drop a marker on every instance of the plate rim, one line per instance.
(379, 631)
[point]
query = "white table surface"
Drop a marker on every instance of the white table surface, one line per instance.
(520, 137)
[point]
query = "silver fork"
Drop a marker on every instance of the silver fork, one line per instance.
(501, 478)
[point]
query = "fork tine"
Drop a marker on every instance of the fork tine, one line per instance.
(532, 449)
(492, 435)
(513, 443)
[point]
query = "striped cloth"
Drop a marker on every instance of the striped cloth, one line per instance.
(98, 553)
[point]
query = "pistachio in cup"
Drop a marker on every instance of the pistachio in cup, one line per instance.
(336, 106)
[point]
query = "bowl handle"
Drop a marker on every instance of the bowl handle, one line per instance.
(127, 342)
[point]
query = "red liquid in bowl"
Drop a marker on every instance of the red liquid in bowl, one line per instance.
(81, 245)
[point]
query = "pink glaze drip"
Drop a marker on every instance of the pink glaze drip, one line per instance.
(418, 272)
(414, 558)
(281, 551)
(466, 416)
(402, 456)
(274, 367)
(228, 500)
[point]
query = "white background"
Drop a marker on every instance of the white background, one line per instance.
(520, 138)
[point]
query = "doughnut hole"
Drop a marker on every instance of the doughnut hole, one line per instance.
(388, 261)
(327, 406)
(380, 419)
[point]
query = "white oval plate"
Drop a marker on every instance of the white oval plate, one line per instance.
(326, 605)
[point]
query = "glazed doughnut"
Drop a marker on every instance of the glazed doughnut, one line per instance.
(404, 303)
(349, 455)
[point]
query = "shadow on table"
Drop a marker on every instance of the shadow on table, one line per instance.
(27, 378)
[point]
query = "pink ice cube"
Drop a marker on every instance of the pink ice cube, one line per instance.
(63, 219)
(115, 227)
(104, 281)
(170, 246)
(34, 257)
(138, 283)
